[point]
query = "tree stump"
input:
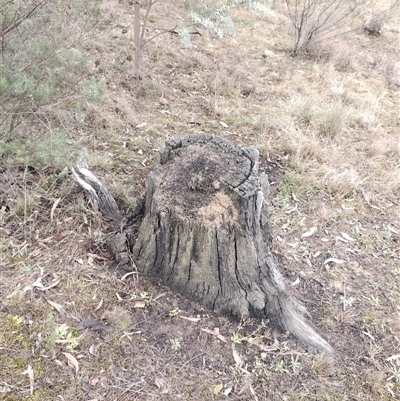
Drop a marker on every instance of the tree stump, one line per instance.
(205, 233)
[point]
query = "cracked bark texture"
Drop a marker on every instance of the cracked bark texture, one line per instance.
(205, 233)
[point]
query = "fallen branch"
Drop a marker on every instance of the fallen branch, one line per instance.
(99, 194)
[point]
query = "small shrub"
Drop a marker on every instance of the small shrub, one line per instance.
(43, 70)
(215, 17)
(175, 344)
(51, 149)
(315, 21)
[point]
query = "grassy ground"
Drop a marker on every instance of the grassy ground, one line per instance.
(326, 124)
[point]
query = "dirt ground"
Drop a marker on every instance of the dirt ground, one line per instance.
(74, 326)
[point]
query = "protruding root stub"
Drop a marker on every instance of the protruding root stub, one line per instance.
(206, 233)
(97, 192)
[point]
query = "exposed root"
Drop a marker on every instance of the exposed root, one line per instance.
(99, 194)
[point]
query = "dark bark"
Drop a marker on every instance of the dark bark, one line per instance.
(205, 233)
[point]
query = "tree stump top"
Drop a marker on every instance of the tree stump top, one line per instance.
(197, 174)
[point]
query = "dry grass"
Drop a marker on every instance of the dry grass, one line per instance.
(327, 128)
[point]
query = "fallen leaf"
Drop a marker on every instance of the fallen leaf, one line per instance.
(347, 236)
(72, 361)
(215, 332)
(236, 356)
(42, 244)
(334, 260)
(159, 382)
(36, 252)
(46, 240)
(368, 335)
(100, 304)
(94, 381)
(294, 197)
(58, 307)
(53, 208)
(127, 275)
(374, 207)
(393, 357)
(252, 392)
(393, 230)
(38, 284)
(29, 372)
(309, 233)
(353, 251)
(347, 208)
(104, 382)
(217, 389)
(244, 388)
(191, 319)
(66, 233)
(55, 283)
(14, 293)
(227, 391)
(93, 349)
(95, 256)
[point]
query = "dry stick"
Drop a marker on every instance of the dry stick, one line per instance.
(139, 34)
(172, 30)
(140, 31)
(97, 192)
(86, 187)
(160, 33)
(137, 39)
(146, 17)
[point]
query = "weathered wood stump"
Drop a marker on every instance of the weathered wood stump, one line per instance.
(205, 233)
